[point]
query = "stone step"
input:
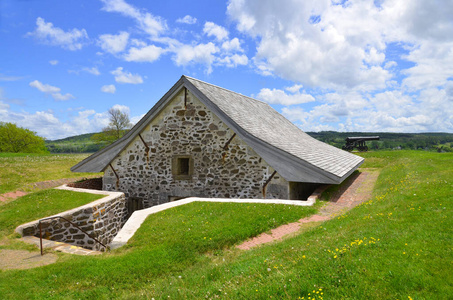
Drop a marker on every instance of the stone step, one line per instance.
(59, 246)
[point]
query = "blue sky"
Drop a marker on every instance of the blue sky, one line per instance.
(324, 64)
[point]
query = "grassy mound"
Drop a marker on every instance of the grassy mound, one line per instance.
(397, 245)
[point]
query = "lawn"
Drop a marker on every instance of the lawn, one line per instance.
(398, 245)
(19, 171)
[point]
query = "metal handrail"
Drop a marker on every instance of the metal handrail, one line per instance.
(73, 224)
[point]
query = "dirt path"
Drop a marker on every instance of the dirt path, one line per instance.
(38, 186)
(357, 190)
(21, 259)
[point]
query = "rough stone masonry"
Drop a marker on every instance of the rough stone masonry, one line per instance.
(101, 219)
(188, 151)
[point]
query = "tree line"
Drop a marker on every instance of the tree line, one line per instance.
(441, 142)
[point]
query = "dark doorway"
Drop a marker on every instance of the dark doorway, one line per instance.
(301, 190)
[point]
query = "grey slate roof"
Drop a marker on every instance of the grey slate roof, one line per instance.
(291, 152)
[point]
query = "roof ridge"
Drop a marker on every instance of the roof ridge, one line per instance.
(219, 87)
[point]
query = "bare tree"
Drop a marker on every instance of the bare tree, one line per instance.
(118, 126)
(119, 122)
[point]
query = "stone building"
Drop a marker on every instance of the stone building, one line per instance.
(205, 141)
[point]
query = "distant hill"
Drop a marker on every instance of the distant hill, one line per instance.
(388, 140)
(74, 144)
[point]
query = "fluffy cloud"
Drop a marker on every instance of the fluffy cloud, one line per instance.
(187, 20)
(53, 62)
(233, 45)
(145, 54)
(126, 77)
(212, 29)
(108, 89)
(52, 90)
(233, 60)
(48, 33)
(147, 22)
(276, 96)
(202, 53)
(112, 43)
(60, 97)
(122, 108)
(330, 45)
(45, 88)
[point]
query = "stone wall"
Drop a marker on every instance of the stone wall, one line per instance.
(221, 165)
(101, 219)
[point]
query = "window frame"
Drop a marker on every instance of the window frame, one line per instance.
(176, 167)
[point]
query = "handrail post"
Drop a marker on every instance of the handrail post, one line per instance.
(40, 236)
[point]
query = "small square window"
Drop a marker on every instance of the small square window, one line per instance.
(182, 167)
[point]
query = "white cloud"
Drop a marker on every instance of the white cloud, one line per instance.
(138, 43)
(332, 53)
(276, 96)
(113, 43)
(294, 88)
(60, 97)
(52, 90)
(233, 60)
(108, 89)
(126, 77)
(147, 22)
(53, 62)
(45, 88)
(48, 33)
(434, 65)
(187, 20)
(146, 54)
(93, 70)
(122, 108)
(212, 29)
(346, 47)
(202, 53)
(233, 45)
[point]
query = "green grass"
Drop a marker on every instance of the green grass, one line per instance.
(19, 171)
(395, 246)
(38, 205)
(171, 241)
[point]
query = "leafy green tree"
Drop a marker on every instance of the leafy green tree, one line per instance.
(17, 139)
(118, 126)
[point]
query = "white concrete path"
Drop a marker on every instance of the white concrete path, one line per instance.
(139, 216)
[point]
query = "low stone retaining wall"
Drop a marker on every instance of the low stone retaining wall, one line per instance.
(101, 219)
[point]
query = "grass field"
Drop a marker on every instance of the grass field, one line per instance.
(397, 245)
(18, 171)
